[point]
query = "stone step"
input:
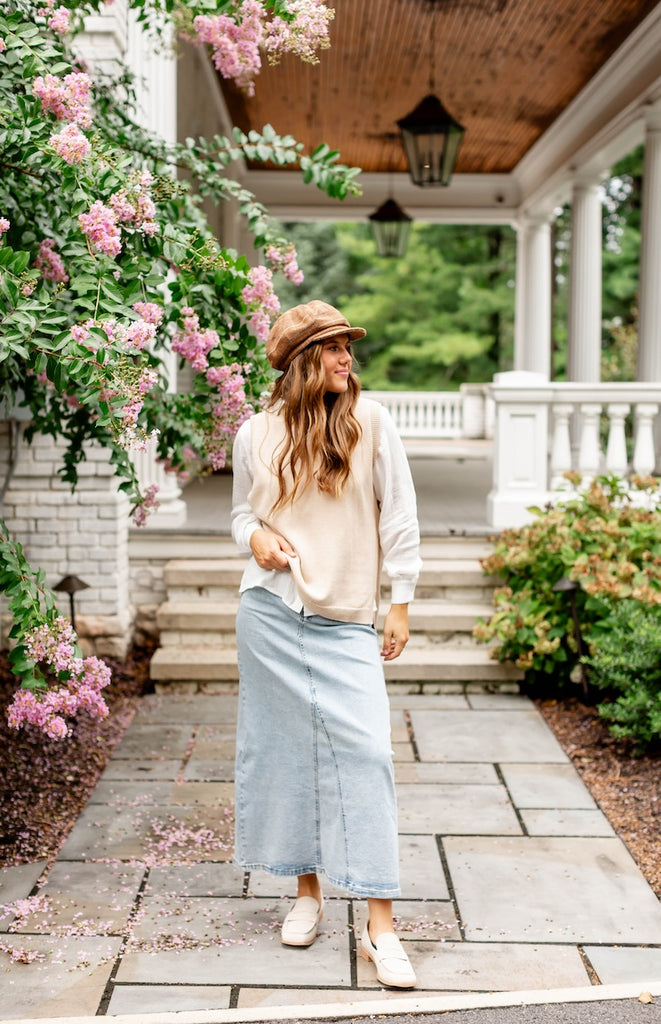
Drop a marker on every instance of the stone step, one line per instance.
(200, 574)
(202, 614)
(207, 615)
(164, 547)
(430, 665)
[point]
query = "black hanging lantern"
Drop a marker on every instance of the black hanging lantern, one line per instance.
(431, 138)
(390, 227)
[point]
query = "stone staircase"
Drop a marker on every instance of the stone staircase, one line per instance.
(196, 623)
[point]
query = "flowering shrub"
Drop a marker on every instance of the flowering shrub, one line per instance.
(107, 263)
(625, 661)
(605, 539)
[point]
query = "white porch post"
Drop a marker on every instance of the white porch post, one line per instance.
(532, 328)
(520, 458)
(649, 330)
(584, 321)
(155, 68)
(156, 95)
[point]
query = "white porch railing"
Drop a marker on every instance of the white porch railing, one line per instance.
(439, 414)
(423, 413)
(545, 429)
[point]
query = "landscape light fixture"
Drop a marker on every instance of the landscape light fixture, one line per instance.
(71, 585)
(565, 585)
(430, 135)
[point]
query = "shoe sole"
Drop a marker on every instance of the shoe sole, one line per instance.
(390, 984)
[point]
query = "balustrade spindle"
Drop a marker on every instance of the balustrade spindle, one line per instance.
(561, 459)
(616, 449)
(644, 459)
(589, 454)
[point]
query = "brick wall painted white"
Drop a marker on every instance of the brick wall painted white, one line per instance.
(82, 534)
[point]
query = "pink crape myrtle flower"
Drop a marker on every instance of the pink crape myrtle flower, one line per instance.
(285, 260)
(3, 45)
(304, 35)
(193, 343)
(81, 333)
(235, 43)
(100, 226)
(230, 409)
(4, 225)
(134, 206)
(53, 643)
(139, 334)
(57, 20)
(149, 311)
(70, 144)
(50, 262)
(261, 301)
(136, 392)
(67, 99)
(148, 504)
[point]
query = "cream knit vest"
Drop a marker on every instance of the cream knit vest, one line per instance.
(336, 540)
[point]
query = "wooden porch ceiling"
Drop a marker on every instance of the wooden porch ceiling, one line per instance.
(505, 69)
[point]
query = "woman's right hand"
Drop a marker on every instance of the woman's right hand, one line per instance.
(270, 549)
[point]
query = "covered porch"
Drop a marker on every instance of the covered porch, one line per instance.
(551, 96)
(594, 88)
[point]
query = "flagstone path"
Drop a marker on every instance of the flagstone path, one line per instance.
(512, 878)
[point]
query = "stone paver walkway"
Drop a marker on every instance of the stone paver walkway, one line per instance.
(512, 877)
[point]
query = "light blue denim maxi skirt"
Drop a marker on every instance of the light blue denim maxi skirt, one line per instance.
(314, 776)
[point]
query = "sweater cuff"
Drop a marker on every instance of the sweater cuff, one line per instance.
(402, 591)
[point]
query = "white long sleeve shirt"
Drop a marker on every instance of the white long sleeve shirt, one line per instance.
(399, 534)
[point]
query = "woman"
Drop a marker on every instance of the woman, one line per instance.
(322, 494)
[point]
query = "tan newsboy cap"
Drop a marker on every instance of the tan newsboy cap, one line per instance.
(305, 325)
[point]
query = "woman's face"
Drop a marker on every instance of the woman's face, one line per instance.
(336, 359)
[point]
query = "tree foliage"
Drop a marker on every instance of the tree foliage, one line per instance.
(440, 315)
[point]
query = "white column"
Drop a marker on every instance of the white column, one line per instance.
(649, 330)
(155, 66)
(584, 321)
(532, 333)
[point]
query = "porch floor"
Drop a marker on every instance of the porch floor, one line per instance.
(452, 480)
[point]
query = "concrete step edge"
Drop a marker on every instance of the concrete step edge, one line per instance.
(205, 663)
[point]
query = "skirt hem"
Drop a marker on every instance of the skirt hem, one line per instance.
(376, 892)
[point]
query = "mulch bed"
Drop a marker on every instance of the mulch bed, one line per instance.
(626, 787)
(44, 784)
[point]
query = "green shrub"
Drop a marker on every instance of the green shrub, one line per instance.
(625, 661)
(607, 539)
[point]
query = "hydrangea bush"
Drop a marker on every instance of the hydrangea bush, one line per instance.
(107, 263)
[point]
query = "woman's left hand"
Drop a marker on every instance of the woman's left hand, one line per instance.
(395, 631)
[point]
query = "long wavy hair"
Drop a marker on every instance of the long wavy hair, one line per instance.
(321, 429)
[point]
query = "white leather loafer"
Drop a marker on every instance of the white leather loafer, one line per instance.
(300, 926)
(393, 966)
